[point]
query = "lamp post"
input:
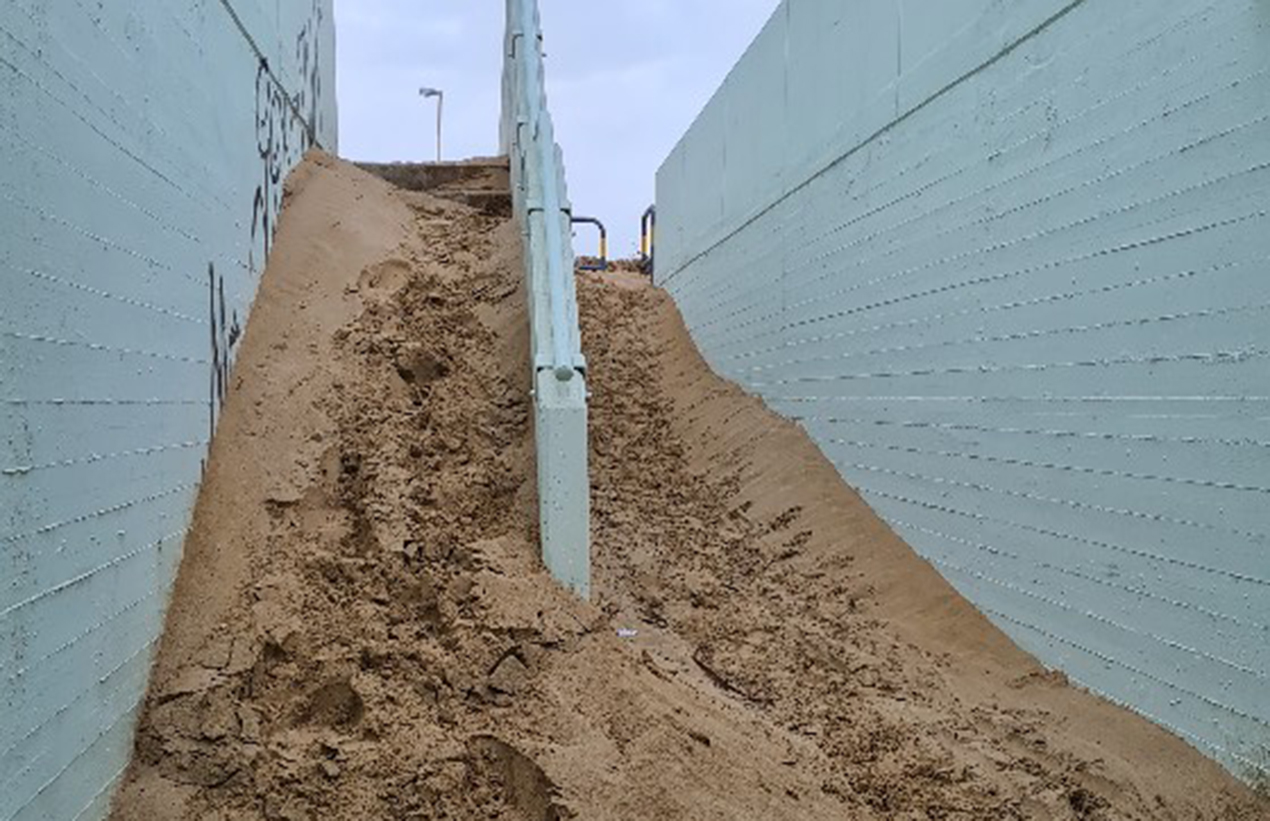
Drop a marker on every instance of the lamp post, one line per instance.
(440, 95)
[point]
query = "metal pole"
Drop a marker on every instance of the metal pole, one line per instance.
(647, 239)
(440, 110)
(440, 95)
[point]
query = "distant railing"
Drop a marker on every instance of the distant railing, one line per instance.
(542, 209)
(602, 261)
(647, 239)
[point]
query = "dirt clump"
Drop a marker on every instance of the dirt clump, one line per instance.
(362, 627)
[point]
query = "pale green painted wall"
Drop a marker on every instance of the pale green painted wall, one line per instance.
(143, 151)
(1009, 265)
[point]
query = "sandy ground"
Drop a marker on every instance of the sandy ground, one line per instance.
(362, 630)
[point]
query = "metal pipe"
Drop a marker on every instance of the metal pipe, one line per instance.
(647, 239)
(440, 119)
(427, 93)
(604, 243)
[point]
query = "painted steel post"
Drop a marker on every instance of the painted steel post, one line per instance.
(647, 239)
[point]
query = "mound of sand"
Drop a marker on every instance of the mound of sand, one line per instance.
(362, 629)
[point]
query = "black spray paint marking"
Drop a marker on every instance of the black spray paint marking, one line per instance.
(286, 127)
(285, 130)
(226, 331)
(273, 139)
(308, 56)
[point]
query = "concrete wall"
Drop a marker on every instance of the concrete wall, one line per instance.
(144, 146)
(1009, 264)
(540, 202)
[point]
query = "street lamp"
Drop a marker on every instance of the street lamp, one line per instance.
(440, 95)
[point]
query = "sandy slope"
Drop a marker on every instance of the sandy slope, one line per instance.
(362, 630)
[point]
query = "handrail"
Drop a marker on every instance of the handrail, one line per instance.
(603, 264)
(647, 239)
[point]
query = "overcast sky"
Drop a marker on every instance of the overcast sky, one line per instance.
(625, 80)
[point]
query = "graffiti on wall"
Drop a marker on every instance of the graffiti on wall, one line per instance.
(308, 58)
(226, 332)
(286, 126)
(273, 139)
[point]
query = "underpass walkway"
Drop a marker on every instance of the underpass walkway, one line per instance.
(362, 627)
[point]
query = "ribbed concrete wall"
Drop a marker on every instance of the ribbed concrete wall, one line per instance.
(1009, 263)
(540, 199)
(144, 145)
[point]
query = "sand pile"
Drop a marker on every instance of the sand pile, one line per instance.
(362, 629)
